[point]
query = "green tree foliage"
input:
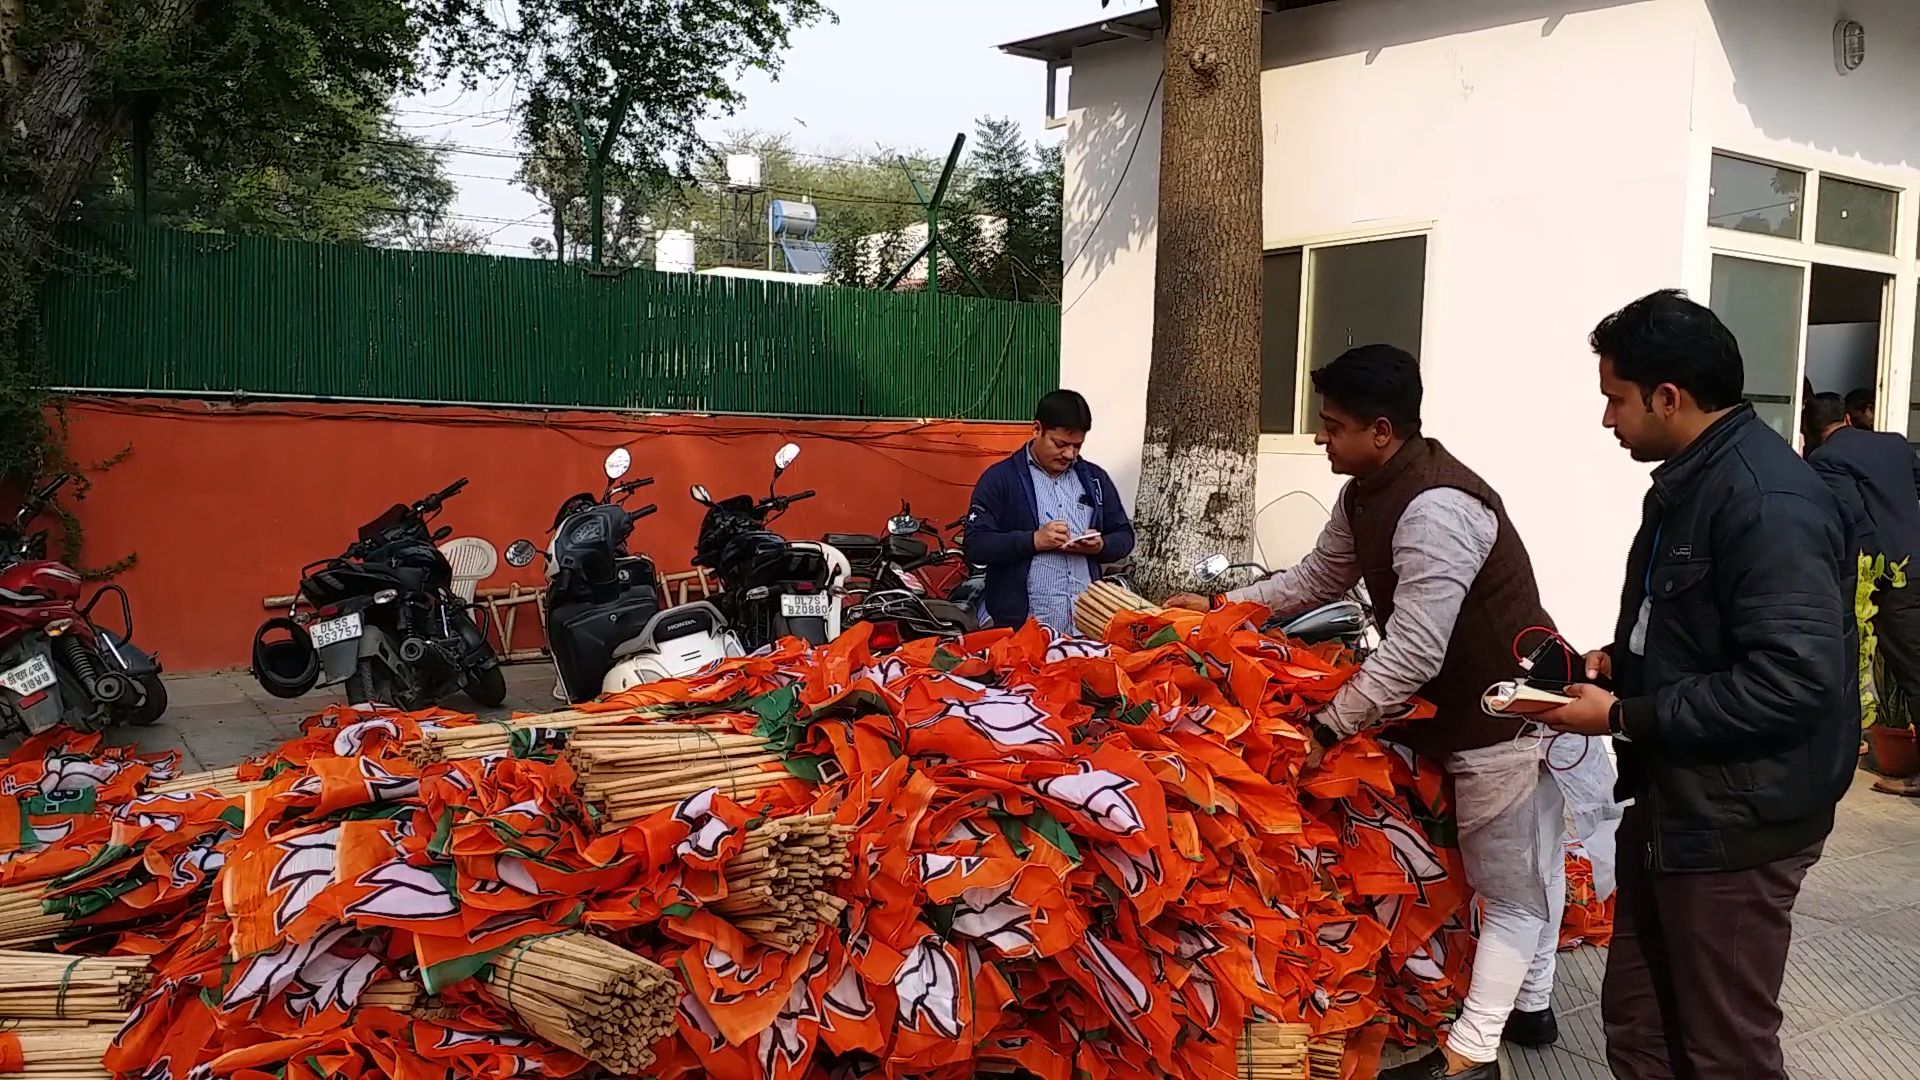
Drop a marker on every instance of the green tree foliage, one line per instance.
(378, 185)
(259, 89)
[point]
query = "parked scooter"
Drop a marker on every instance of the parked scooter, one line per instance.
(56, 665)
(770, 587)
(605, 625)
(897, 572)
(1349, 621)
(385, 621)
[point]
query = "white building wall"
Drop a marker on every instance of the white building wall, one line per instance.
(1766, 86)
(1546, 146)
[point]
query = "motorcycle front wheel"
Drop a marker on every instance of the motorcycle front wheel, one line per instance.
(487, 688)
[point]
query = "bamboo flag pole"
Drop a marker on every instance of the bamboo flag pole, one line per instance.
(23, 918)
(588, 996)
(777, 888)
(223, 781)
(50, 986)
(62, 1054)
(1103, 601)
(1289, 1052)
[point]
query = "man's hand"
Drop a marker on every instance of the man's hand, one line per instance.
(1599, 664)
(1092, 545)
(1052, 537)
(1187, 601)
(1586, 715)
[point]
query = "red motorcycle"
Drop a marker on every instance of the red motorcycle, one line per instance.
(56, 665)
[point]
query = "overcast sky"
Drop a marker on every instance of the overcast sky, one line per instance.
(900, 73)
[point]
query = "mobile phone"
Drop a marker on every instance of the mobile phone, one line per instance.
(1090, 534)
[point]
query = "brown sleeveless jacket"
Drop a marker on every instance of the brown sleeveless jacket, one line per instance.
(1502, 602)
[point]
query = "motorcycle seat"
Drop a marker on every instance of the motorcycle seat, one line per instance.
(844, 541)
(699, 617)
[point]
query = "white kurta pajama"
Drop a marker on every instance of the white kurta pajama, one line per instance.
(1510, 809)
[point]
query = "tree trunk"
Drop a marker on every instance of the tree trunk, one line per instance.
(1202, 434)
(64, 109)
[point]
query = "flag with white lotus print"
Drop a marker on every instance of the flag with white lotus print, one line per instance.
(1081, 860)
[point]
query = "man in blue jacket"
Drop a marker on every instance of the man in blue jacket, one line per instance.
(1045, 519)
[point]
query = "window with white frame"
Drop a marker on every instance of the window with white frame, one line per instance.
(1807, 273)
(1323, 299)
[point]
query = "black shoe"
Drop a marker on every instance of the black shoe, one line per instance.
(1534, 1029)
(1434, 1067)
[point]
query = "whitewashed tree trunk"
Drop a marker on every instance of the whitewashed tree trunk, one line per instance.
(1202, 438)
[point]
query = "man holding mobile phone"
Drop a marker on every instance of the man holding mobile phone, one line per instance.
(1045, 519)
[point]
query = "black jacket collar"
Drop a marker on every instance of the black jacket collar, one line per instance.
(1674, 481)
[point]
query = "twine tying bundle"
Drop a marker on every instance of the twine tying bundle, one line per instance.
(588, 996)
(777, 887)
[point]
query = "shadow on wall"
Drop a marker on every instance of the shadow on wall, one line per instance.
(1374, 26)
(1115, 93)
(1784, 76)
(1114, 200)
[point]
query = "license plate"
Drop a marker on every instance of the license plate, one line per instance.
(806, 606)
(29, 678)
(334, 631)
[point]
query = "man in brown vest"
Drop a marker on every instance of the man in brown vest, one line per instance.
(1452, 591)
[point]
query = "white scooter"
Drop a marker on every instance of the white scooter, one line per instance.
(605, 624)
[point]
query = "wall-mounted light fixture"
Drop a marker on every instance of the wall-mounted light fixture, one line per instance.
(1849, 46)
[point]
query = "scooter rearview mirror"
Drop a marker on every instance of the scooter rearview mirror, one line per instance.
(699, 493)
(1211, 567)
(520, 553)
(784, 457)
(618, 463)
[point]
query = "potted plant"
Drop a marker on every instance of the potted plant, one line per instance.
(1884, 705)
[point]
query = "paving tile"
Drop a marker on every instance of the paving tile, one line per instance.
(1899, 1019)
(1581, 1034)
(1549, 1064)
(1849, 971)
(1844, 1054)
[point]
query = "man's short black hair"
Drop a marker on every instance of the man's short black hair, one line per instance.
(1371, 381)
(1063, 410)
(1859, 400)
(1823, 411)
(1664, 337)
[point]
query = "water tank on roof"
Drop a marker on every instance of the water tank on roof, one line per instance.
(793, 220)
(743, 172)
(673, 252)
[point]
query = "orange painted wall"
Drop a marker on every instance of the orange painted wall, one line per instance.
(222, 504)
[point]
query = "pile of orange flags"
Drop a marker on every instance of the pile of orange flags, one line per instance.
(1009, 854)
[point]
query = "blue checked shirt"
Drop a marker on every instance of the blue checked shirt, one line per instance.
(1056, 579)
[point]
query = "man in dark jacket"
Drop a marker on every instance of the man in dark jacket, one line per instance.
(1737, 715)
(1045, 519)
(1876, 477)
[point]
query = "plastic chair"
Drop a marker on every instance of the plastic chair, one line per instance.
(473, 561)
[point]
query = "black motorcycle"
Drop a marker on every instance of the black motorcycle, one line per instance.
(770, 587)
(385, 621)
(893, 575)
(606, 626)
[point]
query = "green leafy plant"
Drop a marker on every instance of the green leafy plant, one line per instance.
(1883, 702)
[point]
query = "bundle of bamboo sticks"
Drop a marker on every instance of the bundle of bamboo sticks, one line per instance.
(494, 737)
(1289, 1052)
(588, 996)
(51, 986)
(777, 886)
(63, 1053)
(225, 782)
(632, 770)
(1102, 601)
(397, 994)
(23, 920)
